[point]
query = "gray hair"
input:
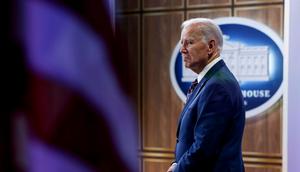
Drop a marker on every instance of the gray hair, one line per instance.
(208, 28)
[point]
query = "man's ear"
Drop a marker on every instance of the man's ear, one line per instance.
(211, 45)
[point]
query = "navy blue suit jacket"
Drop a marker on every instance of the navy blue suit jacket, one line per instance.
(211, 125)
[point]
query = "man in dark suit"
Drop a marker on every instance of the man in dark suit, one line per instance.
(211, 125)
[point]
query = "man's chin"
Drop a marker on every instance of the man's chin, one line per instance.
(187, 65)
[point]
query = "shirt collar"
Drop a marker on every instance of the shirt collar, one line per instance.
(207, 67)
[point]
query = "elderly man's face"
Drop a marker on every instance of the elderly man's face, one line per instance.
(193, 49)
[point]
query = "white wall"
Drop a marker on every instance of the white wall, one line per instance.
(291, 107)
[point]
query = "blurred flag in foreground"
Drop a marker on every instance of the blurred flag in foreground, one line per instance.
(76, 116)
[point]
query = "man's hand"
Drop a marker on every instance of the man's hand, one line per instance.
(172, 167)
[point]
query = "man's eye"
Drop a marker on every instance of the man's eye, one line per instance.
(186, 42)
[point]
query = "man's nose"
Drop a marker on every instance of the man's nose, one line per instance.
(183, 49)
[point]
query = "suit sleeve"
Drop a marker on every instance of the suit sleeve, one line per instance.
(214, 111)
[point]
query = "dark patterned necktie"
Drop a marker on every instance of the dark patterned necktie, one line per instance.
(191, 89)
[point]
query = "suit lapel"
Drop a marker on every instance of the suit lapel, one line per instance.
(198, 88)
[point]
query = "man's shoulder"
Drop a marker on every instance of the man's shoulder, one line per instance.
(222, 80)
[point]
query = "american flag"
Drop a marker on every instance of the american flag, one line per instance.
(76, 116)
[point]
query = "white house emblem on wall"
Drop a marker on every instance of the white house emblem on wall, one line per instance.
(253, 53)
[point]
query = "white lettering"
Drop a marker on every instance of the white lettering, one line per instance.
(256, 93)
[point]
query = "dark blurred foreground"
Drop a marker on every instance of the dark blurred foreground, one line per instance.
(64, 106)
